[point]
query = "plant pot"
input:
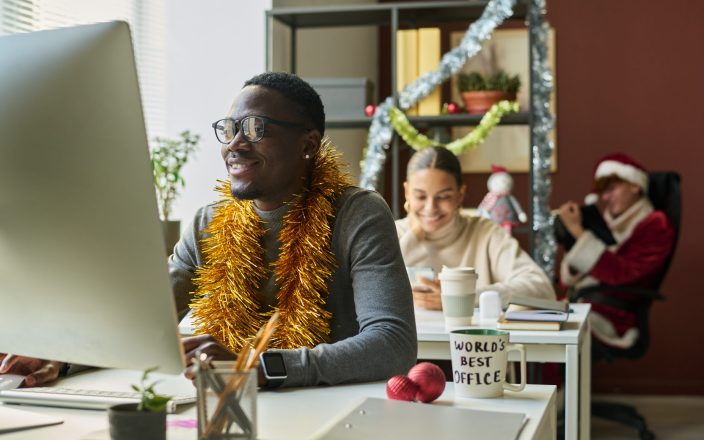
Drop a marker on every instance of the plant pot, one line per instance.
(171, 229)
(126, 423)
(479, 102)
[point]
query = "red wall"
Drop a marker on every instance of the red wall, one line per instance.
(630, 77)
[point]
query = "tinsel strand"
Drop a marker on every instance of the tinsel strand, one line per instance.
(380, 131)
(476, 137)
(225, 304)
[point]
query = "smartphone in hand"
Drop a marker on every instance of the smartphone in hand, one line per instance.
(415, 273)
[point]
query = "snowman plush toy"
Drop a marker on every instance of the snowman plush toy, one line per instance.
(498, 204)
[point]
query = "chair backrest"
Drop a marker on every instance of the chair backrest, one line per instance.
(665, 194)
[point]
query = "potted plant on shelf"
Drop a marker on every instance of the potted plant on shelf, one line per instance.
(480, 92)
(143, 420)
(168, 156)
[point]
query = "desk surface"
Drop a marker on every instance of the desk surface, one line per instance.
(282, 414)
(430, 326)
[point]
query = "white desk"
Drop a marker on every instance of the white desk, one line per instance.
(571, 346)
(282, 414)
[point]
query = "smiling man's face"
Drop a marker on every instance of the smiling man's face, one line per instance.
(272, 170)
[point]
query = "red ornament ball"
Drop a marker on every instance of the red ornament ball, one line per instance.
(453, 108)
(369, 110)
(430, 380)
(401, 388)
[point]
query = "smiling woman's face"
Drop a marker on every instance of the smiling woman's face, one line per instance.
(433, 197)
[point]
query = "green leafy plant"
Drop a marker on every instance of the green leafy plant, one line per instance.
(168, 156)
(150, 400)
(500, 80)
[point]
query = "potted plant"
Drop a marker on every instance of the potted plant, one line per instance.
(168, 156)
(143, 420)
(480, 92)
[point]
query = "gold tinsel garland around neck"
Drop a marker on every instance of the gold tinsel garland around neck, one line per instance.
(226, 305)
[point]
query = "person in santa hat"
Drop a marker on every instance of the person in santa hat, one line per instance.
(644, 238)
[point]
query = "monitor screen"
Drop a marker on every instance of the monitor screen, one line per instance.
(83, 273)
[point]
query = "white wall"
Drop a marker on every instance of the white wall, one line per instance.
(319, 52)
(213, 47)
(216, 45)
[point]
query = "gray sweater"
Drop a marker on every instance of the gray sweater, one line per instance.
(373, 335)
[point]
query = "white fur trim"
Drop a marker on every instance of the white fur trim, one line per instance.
(626, 172)
(605, 332)
(585, 252)
(591, 198)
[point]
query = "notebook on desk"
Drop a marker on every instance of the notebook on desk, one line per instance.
(383, 419)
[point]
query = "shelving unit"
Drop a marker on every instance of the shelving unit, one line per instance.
(396, 16)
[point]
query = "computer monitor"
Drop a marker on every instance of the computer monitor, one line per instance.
(83, 274)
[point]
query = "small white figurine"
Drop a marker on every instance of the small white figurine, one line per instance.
(498, 204)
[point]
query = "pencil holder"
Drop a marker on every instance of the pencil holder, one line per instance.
(227, 403)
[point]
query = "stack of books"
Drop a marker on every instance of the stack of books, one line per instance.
(525, 313)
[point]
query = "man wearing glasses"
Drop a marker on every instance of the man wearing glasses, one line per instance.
(291, 234)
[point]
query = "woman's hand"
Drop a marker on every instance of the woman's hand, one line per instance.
(208, 346)
(427, 294)
(36, 371)
(571, 217)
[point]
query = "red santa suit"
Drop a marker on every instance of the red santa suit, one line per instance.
(644, 239)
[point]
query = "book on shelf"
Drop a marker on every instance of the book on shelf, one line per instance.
(428, 61)
(503, 324)
(407, 61)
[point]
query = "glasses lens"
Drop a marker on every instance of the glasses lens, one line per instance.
(253, 128)
(225, 130)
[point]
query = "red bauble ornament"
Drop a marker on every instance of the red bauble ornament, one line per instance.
(401, 388)
(369, 110)
(453, 108)
(430, 380)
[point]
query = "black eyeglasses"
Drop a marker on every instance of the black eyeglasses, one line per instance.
(252, 128)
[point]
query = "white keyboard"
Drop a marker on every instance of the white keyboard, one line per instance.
(77, 398)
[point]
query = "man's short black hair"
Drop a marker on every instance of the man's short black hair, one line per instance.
(297, 91)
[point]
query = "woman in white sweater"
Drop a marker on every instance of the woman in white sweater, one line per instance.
(435, 234)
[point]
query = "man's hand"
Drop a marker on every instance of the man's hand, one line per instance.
(571, 217)
(207, 345)
(36, 371)
(427, 294)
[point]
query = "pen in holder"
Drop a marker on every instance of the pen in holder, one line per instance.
(227, 397)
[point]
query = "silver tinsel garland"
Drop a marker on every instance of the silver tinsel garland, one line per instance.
(542, 147)
(496, 11)
(380, 131)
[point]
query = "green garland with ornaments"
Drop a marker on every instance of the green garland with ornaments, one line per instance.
(417, 141)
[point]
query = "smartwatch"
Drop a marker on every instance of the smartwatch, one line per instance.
(273, 368)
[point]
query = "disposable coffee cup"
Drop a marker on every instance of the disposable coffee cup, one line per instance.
(479, 362)
(458, 294)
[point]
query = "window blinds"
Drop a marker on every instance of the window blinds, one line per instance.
(147, 22)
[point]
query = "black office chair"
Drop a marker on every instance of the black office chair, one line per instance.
(664, 193)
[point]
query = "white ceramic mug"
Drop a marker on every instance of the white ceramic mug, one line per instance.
(479, 360)
(457, 286)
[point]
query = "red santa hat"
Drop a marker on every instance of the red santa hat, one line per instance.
(622, 166)
(498, 169)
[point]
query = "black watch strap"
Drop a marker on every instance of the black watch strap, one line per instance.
(274, 383)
